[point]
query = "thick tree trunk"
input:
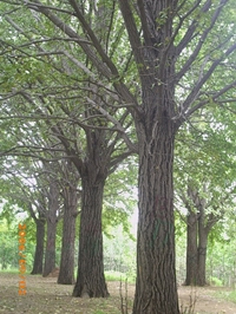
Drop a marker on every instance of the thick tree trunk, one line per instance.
(50, 252)
(202, 248)
(38, 256)
(66, 274)
(90, 279)
(192, 250)
(156, 289)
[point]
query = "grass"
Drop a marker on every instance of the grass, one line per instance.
(11, 271)
(118, 276)
(109, 275)
(114, 276)
(229, 295)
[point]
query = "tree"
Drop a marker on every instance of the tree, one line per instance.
(179, 57)
(204, 183)
(70, 196)
(39, 250)
(95, 149)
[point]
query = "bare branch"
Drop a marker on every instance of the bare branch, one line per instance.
(133, 33)
(212, 97)
(72, 34)
(115, 122)
(187, 38)
(94, 39)
(189, 100)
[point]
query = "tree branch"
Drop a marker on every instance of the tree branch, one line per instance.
(187, 38)
(115, 122)
(133, 34)
(72, 34)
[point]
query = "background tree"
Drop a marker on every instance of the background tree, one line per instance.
(95, 149)
(205, 183)
(70, 196)
(179, 56)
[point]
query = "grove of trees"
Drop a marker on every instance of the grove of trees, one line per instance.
(92, 89)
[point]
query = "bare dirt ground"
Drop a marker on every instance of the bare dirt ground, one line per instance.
(44, 295)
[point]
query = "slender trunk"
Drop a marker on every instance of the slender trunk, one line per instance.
(202, 248)
(66, 274)
(90, 278)
(51, 218)
(38, 256)
(192, 250)
(156, 288)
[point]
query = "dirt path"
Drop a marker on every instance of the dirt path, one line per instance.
(44, 296)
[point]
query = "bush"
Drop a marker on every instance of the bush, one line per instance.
(214, 281)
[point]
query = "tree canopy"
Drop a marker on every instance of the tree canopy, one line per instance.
(112, 67)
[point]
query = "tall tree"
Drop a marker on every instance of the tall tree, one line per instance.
(91, 143)
(70, 213)
(204, 183)
(39, 249)
(179, 56)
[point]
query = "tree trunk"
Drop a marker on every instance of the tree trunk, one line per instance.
(156, 289)
(202, 248)
(50, 252)
(38, 256)
(66, 274)
(192, 250)
(51, 218)
(90, 279)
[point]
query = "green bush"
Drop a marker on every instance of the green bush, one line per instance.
(216, 282)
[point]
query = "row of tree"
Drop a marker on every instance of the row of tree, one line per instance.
(89, 84)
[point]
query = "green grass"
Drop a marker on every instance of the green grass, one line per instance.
(115, 276)
(229, 295)
(216, 282)
(109, 275)
(118, 276)
(15, 271)
(10, 271)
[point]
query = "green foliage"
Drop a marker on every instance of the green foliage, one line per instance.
(9, 244)
(214, 281)
(120, 197)
(114, 276)
(119, 254)
(33, 61)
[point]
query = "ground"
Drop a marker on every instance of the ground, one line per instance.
(45, 296)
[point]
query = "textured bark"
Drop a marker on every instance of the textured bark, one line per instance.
(198, 228)
(51, 218)
(156, 289)
(90, 279)
(38, 256)
(192, 250)
(202, 249)
(66, 274)
(49, 263)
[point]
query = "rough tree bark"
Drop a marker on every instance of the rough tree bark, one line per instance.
(39, 251)
(66, 273)
(203, 232)
(192, 250)
(52, 219)
(199, 224)
(156, 287)
(156, 49)
(90, 279)
(50, 254)
(156, 246)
